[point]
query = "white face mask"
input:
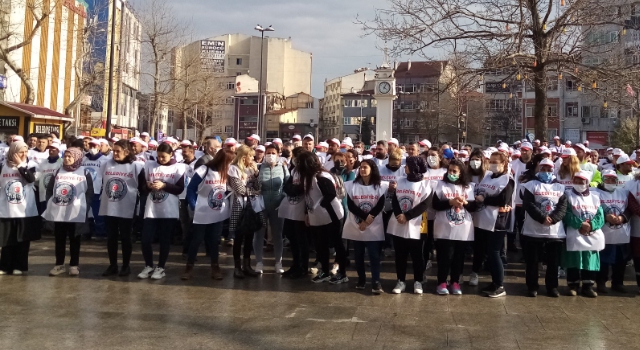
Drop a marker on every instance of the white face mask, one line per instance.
(270, 158)
(495, 168)
(475, 164)
(580, 188)
(610, 187)
(432, 161)
(93, 151)
(610, 157)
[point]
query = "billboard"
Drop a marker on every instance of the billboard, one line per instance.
(212, 54)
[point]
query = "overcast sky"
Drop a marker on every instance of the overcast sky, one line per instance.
(323, 27)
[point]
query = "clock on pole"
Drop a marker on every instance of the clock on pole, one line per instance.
(385, 94)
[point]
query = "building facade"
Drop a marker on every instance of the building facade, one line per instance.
(49, 59)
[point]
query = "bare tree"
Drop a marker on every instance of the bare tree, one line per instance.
(15, 36)
(533, 37)
(161, 32)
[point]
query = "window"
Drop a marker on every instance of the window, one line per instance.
(572, 110)
(595, 111)
(586, 112)
(374, 103)
(217, 114)
(220, 85)
(228, 100)
(348, 103)
(217, 129)
(552, 110)
(351, 121)
(231, 85)
(571, 85)
(530, 110)
(238, 61)
(497, 104)
(249, 101)
(552, 84)
(228, 129)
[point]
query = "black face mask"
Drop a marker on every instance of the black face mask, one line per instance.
(339, 166)
(393, 168)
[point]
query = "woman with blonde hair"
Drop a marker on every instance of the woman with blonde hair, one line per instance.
(568, 168)
(243, 181)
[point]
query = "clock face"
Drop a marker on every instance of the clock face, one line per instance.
(384, 87)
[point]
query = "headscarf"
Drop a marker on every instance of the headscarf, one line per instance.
(417, 166)
(14, 148)
(77, 155)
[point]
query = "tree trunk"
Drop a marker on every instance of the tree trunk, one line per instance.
(540, 110)
(30, 95)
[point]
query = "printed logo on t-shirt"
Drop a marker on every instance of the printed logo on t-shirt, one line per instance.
(586, 215)
(215, 198)
(159, 196)
(93, 173)
(546, 206)
(365, 207)
(456, 216)
(46, 179)
(14, 192)
(613, 210)
(64, 193)
(406, 203)
(116, 189)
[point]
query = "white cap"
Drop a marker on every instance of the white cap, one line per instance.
(138, 141)
(104, 141)
(617, 152)
(586, 143)
(347, 138)
(254, 137)
(463, 153)
(55, 144)
(346, 142)
(455, 151)
(547, 161)
(556, 137)
(144, 134)
(567, 152)
(609, 172)
(624, 158)
(309, 136)
(115, 139)
(517, 142)
(334, 140)
(516, 153)
(260, 148)
(526, 145)
(609, 149)
(267, 144)
(492, 149)
(583, 174)
(394, 141)
(545, 150)
(296, 137)
(169, 140)
(487, 154)
(17, 138)
(230, 141)
(568, 142)
(153, 142)
(95, 142)
(425, 143)
(322, 144)
(504, 148)
(536, 141)
(581, 146)
(185, 143)
(277, 140)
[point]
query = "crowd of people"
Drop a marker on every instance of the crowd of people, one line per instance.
(563, 206)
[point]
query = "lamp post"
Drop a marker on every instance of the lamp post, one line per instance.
(111, 59)
(261, 131)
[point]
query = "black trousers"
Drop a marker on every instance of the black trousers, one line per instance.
(575, 275)
(617, 273)
(405, 247)
(450, 259)
(480, 238)
(163, 230)
(61, 231)
(296, 232)
(15, 257)
(541, 249)
(327, 236)
(427, 248)
(239, 251)
(119, 228)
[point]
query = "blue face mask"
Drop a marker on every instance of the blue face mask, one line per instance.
(343, 150)
(544, 176)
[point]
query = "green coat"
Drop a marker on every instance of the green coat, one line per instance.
(586, 260)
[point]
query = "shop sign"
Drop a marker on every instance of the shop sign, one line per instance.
(98, 132)
(46, 128)
(9, 122)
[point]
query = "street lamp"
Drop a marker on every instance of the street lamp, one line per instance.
(261, 130)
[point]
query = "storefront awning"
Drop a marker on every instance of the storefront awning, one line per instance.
(38, 111)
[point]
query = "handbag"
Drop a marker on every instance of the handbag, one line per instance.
(257, 202)
(502, 222)
(249, 220)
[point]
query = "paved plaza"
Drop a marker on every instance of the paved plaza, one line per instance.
(271, 312)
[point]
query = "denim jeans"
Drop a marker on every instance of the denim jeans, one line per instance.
(275, 224)
(210, 233)
(374, 248)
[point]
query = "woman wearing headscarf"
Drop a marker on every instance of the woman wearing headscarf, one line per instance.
(69, 198)
(19, 221)
(409, 202)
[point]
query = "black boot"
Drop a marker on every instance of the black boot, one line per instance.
(587, 291)
(246, 268)
(112, 270)
(237, 271)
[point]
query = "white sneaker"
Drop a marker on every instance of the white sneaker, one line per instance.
(473, 279)
(146, 272)
(2, 273)
(17, 272)
(158, 273)
(417, 287)
(259, 268)
(57, 270)
(74, 271)
(399, 288)
(335, 269)
(279, 268)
